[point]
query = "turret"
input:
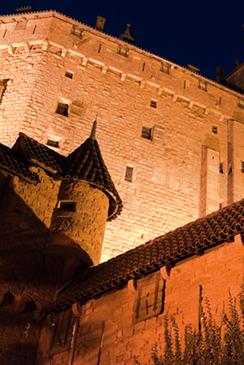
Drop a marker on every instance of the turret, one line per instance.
(87, 199)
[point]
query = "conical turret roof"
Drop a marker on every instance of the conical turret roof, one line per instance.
(86, 163)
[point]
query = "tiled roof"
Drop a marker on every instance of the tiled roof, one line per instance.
(29, 149)
(10, 164)
(86, 163)
(184, 242)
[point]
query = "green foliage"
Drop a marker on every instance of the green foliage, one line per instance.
(212, 344)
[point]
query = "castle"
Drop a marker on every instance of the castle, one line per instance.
(172, 142)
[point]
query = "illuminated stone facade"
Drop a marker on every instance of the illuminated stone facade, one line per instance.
(174, 133)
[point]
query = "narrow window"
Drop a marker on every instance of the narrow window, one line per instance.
(63, 109)
(214, 129)
(52, 143)
(242, 166)
(203, 85)
(153, 104)
(3, 86)
(67, 206)
(99, 48)
(221, 168)
(146, 133)
(129, 173)
(69, 74)
(143, 66)
(165, 67)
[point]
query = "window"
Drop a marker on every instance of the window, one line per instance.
(67, 206)
(146, 133)
(75, 30)
(69, 74)
(129, 173)
(153, 104)
(221, 168)
(214, 129)
(123, 51)
(53, 143)
(165, 67)
(203, 85)
(3, 86)
(63, 109)
(242, 166)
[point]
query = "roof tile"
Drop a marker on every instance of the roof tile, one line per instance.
(182, 243)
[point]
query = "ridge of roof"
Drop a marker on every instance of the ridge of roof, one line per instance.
(184, 242)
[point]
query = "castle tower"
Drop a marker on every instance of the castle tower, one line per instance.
(86, 200)
(176, 135)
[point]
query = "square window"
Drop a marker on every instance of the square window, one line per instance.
(63, 109)
(53, 143)
(69, 74)
(203, 85)
(129, 173)
(123, 51)
(153, 104)
(146, 133)
(165, 67)
(75, 30)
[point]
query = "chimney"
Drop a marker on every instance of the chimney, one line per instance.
(219, 76)
(100, 23)
(126, 36)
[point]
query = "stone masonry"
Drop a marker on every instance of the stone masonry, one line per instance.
(172, 139)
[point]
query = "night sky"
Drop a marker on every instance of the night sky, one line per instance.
(203, 33)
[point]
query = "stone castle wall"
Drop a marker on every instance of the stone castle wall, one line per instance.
(124, 325)
(195, 124)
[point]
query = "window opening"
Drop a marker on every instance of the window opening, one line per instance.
(67, 206)
(63, 109)
(129, 173)
(146, 133)
(69, 74)
(203, 85)
(153, 104)
(53, 143)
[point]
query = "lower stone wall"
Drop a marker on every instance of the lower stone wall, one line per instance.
(121, 327)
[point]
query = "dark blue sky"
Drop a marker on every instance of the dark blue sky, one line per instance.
(205, 34)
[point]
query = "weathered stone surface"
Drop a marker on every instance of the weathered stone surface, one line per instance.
(168, 186)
